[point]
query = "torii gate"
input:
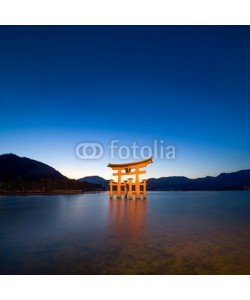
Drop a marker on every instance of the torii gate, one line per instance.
(126, 187)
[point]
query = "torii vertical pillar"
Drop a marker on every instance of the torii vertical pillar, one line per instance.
(119, 190)
(125, 182)
(111, 187)
(144, 185)
(137, 184)
(130, 191)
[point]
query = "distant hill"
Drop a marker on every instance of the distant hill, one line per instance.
(224, 181)
(13, 167)
(21, 174)
(96, 179)
(234, 180)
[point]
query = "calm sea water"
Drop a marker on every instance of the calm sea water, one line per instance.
(169, 233)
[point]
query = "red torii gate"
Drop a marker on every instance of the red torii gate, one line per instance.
(126, 187)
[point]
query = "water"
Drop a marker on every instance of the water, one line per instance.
(169, 233)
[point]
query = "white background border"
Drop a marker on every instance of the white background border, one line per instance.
(133, 12)
(125, 287)
(129, 12)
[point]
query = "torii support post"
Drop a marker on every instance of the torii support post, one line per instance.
(137, 185)
(119, 191)
(144, 185)
(111, 181)
(125, 188)
(130, 191)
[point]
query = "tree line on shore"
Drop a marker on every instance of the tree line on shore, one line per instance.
(48, 185)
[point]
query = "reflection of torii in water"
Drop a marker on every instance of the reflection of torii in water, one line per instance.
(129, 187)
(127, 217)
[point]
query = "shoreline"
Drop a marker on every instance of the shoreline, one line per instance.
(79, 192)
(73, 192)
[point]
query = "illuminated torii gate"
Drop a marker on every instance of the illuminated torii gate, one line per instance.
(129, 187)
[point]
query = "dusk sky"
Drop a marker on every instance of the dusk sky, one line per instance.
(188, 86)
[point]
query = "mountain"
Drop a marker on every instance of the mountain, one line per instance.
(224, 181)
(96, 179)
(24, 175)
(13, 167)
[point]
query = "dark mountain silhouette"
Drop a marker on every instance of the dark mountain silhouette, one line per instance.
(21, 174)
(13, 167)
(224, 181)
(96, 179)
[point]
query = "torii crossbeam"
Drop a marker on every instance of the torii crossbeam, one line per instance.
(129, 187)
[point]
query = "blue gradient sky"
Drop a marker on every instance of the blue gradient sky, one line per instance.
(189, 86)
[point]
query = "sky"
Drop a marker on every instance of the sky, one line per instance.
(187, 86)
